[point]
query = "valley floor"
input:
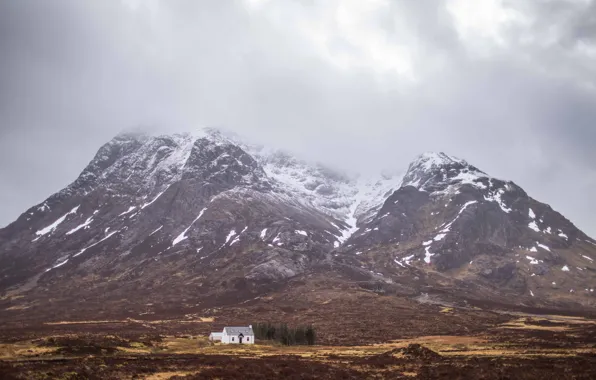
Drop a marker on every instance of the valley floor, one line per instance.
(524, 346)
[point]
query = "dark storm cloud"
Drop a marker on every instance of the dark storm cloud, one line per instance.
(360, 85)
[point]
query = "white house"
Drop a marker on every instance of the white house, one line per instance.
(234, 335)
(215, 336)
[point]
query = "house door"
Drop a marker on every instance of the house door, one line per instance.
(240, 338)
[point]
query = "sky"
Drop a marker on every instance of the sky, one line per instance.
(359, 85)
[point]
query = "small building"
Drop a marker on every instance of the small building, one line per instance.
(234, 335)
(215, 336)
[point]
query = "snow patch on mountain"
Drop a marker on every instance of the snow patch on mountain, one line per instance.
(534, 226)
(543, 246)
(351, 221)
(81, 226)
(59, 264)
(463, 208)
(276, 240)
(496, 196)
(236, 240)
(43, 207)
(154, 199)
(94, 244)
(427, 255)
(183, 236)
(130, 209)
(230, 236)
(470, 177)
(53, 226)
(154, 232)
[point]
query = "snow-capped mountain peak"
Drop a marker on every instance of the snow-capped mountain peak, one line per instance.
(433, 172)
(429, 160)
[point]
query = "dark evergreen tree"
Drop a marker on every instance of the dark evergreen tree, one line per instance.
(300, 335)
(282, 333)
(310, 335)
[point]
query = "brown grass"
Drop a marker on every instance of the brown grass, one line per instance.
(523, 353)
(18, 307)
(447, 345)
(23, 350)
(570, 319)
(525, 324)
(168, 375)
(82, 322)
(131, 320)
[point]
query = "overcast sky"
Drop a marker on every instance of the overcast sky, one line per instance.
(361, 85)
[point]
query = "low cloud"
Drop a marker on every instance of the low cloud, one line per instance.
(362, 86)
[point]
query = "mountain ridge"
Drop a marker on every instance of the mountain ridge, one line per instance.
(225, 221)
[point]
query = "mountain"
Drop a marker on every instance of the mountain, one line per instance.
(450, 223)
(200, 221)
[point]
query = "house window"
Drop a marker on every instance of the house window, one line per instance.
(232, 339)
(247, 339)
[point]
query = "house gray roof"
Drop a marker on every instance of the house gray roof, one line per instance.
(246, 331)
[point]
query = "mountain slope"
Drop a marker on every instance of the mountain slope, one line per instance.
(455, 222)
(207, 219)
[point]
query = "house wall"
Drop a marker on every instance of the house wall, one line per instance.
(228, 339)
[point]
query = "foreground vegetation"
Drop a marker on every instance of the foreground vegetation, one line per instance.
(525, 347)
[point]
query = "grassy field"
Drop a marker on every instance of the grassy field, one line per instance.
(525, 347)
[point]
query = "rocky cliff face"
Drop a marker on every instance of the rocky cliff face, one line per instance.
(210, 219)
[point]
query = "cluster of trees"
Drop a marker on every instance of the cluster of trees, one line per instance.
(289, 336)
